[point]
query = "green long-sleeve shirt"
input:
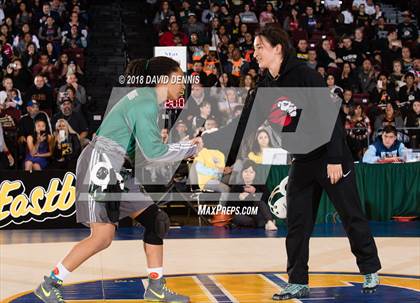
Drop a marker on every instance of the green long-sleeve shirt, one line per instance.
(134, 120)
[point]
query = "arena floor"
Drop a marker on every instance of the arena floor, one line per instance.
(212, 265)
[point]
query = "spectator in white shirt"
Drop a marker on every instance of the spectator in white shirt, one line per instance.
(370, 8)
(332, 4)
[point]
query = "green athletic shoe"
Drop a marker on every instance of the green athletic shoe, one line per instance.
(158, 292)
(371, 283)
(292, 291)
(49, 291)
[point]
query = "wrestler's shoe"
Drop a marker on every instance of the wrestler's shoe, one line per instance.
(49, 291)
(371, 283)
(158, 292)
(292, 291)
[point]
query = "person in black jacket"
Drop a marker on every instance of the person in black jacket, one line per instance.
(329, 167)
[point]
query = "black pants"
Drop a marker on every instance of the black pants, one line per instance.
(306, 182)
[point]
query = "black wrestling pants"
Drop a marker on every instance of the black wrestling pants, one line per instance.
(306, 182)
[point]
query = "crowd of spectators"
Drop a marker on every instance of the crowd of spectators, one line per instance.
(371, 63)
(42, 118)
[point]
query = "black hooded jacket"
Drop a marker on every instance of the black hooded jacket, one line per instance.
(292, 74)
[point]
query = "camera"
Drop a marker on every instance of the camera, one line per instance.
(13, 65)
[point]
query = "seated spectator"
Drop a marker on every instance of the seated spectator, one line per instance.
(386, 148)
(184, 12)
(21, 76)
(407, 61)
(197, 122)
(332, 5)
(210, 168)
(163, 14)
(211, 124)
(74, 21)
(247, 48)
(75, 120)
(380, 31)
(25, 29)
(358, 132)
(413, 121)
(193, 26)
(237, 66)
(345, 20)
(6, 48)
(225, 16)
(248, 83)
(407, 30)
(370, 9)
(45, 68)
(23, 43)
(13, 95)
(409, 92)
(234, 28)
(9, 117)
(383, 93)
(23, 16)
(359, 43)
(348, 103)
(367, 78)
(321, 70)
(292, 22)
(52, 53)
(349, 54)
(6, 158)
(326, 56)
(332, 86)
(312, 59)
(390, 117)
(67, 146)
(246, 196)
(320, 8)
(396, 76)
(361, 18)
(378, 14)
(167, 38)
(348, 80)
(267, 16)
(262, 140)
(45, 13)
(26, 124)
(181, 132)
(42, 94)
(39, 147)
(390, 50)
(30, 56)
(58, 6)
(70, 93)
(74, 39)
(197, 70)
(248, 16)
(209, 13)
(309, 21)
(73, 80)
(229, 102)
(302, 50)
(49, 32)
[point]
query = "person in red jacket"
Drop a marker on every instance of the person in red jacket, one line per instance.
(167, 39)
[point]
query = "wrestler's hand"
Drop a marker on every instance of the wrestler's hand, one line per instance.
(197, 141)
(334, 172)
